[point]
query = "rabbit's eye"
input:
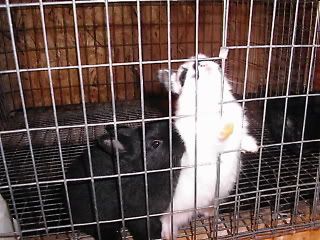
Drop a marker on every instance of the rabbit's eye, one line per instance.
(202, 64)
(156, 143)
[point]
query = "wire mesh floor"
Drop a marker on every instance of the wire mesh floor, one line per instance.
(49, 172)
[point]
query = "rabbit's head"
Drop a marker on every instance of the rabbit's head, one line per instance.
(201, 89)
(109, 143)
(157, 146)
(130, 146)
(184, 79)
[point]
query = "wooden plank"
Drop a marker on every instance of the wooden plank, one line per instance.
(123, 26)
(306, 235)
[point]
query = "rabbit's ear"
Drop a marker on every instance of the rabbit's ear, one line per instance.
(125, 130)
(163, 77)
(108, 142)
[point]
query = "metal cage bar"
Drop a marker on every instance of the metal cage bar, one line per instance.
(287, 93)
(196, 114)
(225, 16)
(237, 203)
(170, 113)
(75, 20)
(114, 112)
(25, 113)
(55, 110)
(142, 115)
(284, 45)
(295, 209)
(257, 201)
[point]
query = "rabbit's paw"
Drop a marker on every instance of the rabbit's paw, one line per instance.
(207, 212)
(249, 144)
(166, 229)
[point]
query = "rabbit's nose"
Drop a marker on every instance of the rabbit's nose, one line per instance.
(201, 64)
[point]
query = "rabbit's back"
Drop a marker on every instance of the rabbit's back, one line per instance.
(294, 121)
(80, 193)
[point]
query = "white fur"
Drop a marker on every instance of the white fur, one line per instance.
(208, 126)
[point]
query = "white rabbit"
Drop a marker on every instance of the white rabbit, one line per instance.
(8, 225)
(209, 126)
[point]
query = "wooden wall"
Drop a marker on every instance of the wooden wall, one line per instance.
(301, 56)
(124, 39)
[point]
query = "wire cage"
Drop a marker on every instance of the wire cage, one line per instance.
(69, 68)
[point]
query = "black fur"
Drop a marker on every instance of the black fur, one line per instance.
(194, 66)
(133, 187)
(294, 121)
(182, 77)
(196, 74)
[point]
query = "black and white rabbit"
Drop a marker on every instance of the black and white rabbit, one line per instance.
(294, 121)
(209, 126)
(133, 187)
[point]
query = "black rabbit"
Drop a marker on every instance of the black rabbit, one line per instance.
(133, 187)
(294, 121)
